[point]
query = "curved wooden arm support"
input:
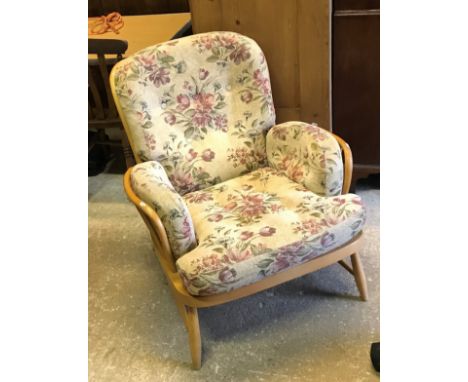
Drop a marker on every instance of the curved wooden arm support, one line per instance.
(152, 221)
(348, 163)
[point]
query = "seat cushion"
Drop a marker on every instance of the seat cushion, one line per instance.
(259, 224)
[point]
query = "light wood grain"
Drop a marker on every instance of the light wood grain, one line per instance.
(193, 329)
(146, 30)
(359, 275)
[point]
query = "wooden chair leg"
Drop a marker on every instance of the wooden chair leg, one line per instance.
(193, 328)
(359, 276)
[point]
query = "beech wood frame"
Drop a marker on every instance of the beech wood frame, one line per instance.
(188, 304)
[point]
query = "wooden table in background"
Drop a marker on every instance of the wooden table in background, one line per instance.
(146, 30)
(140, 32)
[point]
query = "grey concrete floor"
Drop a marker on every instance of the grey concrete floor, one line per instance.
(311, 329)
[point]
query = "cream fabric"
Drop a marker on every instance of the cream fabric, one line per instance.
(200, 105)
(308, 155)
(259, 224)
(149, 181)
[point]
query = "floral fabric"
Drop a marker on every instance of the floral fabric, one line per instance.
(259, 224)
(199, 105)
(150, 183)
(308, 155)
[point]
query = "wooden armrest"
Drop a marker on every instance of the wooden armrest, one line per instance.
(348, 163)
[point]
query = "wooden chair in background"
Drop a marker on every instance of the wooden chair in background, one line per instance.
(102, 113)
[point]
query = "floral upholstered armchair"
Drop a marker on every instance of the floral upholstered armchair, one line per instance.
(235, 204)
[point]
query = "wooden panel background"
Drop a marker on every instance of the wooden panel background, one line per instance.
(295, 37)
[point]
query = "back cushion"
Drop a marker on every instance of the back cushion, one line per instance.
(200, 105)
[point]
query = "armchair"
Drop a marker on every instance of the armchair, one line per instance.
(234, 203)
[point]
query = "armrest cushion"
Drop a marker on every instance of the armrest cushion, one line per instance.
(308, 155)
(150, 183)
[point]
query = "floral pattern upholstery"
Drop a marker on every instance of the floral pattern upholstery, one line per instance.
(149, 181)
(200, 106)
(308, 155)
(237, 204)
(259, 224)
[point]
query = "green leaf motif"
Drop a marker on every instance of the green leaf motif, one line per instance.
(189, 132)
(198, 283)
(190, 112)
(212, 59)
(181, 67)
(265, 263)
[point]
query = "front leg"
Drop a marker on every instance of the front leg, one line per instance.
(193, 328)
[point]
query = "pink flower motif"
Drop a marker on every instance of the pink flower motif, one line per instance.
(204, 101)
(295, 173)
(182, 181)
(221, 122)
(211, 262)
(262, 82)
(267, 231)
(246, 96)
(330, 221)
(191, 155)
(186, 228)
(282, 261)
(230, 206)
(150, 142)
(183, 102)
(280, 133)
(339, 201)
(148, 61)
(253, 205)
(206, 42)
(327, 239)
(241, 53)
(275, 208)
(246, 235)
(215, 218)
(170, 118)
(228, 41)
(199, 197)
(160, 77)
(201, 119)
(227, 275)
(203, 73)
(316, 132)
(208, 155)
(310, 226)
(236, 256)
